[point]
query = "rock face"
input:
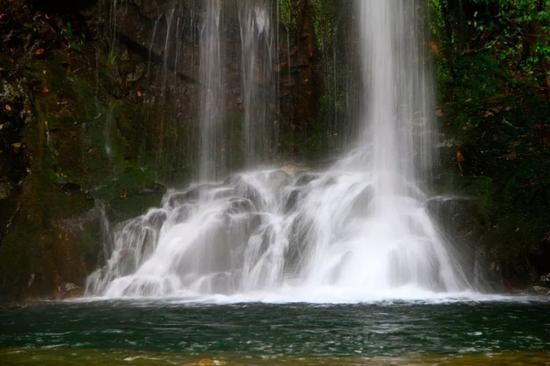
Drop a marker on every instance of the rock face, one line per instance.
(96, 120)
(299, 78)
(62, 158)
(540, 290)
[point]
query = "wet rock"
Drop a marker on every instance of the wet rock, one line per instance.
(69, 286)
(240, 205)
(245, 190)
(292, 168)
(69, 291)
(540, 290)
(292, 199)
(280, 177)
(306, 178)
(5, 190)
(17, 146)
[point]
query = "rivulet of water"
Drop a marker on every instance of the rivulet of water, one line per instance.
(258, 87)
(212, 94)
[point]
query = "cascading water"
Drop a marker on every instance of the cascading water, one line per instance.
(258, 88)
(212, 94)
(358, 231)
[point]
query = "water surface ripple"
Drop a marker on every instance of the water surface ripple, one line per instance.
(277, 330)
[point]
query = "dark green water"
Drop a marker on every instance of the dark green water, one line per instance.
(279, 331)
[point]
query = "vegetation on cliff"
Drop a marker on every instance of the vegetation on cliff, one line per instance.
(493, 78)
(68, 150)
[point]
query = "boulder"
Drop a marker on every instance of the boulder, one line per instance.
(540, 290)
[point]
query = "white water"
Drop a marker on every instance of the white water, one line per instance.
(258, 86)
(212, 99)
(356, 232)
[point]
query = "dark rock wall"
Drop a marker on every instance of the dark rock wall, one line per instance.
(97, 119)
(70, 141)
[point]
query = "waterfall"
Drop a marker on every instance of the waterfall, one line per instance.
(258, 87)
(212, 94)
(359, 230)
(398, 98)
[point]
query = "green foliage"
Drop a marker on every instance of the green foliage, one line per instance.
(287, 14)
(325, 22)
(73, 40)
(491, 61)
(513, 33)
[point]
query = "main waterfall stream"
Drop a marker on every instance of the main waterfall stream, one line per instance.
(359, 230)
